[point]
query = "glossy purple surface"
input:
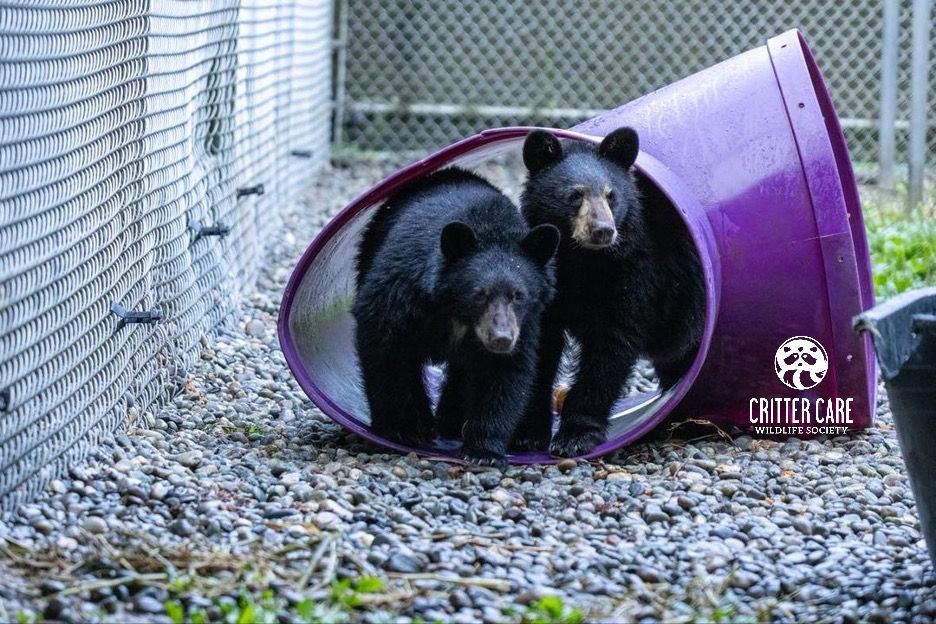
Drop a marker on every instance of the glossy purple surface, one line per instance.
(751, 154)
(757, 140)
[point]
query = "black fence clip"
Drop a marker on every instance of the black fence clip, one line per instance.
(128, 317)
(250, 190)
(299, 153)
(207, 230)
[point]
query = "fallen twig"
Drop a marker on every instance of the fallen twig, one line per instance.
(329, 575)
(123, 580)
(475, 581)
(313, 563)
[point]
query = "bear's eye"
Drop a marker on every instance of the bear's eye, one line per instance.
(519, 296)
(479, 295)
(611, 196)
(574, 196)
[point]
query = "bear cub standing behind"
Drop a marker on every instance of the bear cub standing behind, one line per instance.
(628, 278)
(449, 271)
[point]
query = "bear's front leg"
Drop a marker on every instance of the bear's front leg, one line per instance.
(535, 428)
(450, 413)
(396, 394)
(496, 394)
(604, 366)
(671, 371)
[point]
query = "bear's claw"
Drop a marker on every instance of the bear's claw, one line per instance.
(575, 444)
(482, 458)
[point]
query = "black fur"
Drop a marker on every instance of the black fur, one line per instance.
(641, 296)
(448, 271)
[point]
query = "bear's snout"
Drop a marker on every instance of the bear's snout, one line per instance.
(498, 329)
(593, 224)
(602, 234)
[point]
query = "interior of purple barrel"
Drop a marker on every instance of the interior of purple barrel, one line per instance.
(321, 327)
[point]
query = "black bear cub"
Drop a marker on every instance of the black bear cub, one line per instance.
(628, 280)
(447, 270)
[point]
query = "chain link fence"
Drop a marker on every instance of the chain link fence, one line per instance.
(133, 135)
(423, 74)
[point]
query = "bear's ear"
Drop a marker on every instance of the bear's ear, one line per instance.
(620, 146)
(541, 243)
(541, 148)
(458, 240)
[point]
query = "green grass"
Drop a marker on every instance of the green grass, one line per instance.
(712, 602)
(344, 599)
(546, 610)
(902, 244)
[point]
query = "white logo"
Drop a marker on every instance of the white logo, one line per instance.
(801, 362)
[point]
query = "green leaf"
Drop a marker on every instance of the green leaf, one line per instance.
(551, 606)
(368, 585)
(340, 586)
(247, 615)
(306, 609)
(175, 611)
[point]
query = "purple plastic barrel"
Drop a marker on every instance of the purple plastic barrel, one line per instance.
(751, 155)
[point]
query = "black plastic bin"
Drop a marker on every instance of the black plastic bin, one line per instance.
(904, 333)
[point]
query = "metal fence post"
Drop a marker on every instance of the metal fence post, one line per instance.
(919, 69)
(340, 45)
(888, 118)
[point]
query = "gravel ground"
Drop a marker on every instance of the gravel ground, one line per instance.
(242, 486)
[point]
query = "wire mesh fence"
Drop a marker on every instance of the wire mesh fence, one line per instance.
(423, 74)
(133, 133)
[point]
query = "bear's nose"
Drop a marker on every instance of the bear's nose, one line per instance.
(501, 341)
(602, 233)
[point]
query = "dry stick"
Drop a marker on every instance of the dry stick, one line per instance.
(155, 554)
(329, 573)
(476, 581)
(703, 423)
(288, 548)
(70, 570)
(446, 536)
(366, 568)
(374, 599)
(77, 589)
(313, 563)
(114, 554)
(22, 560)
(525, 548)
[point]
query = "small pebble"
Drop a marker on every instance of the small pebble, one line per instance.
(404, 562)
(254, 328)
(94, 524)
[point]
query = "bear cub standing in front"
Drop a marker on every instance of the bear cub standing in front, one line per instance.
(447, 270)
(628, 279)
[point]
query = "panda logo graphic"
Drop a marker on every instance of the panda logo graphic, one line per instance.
(801, 362)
